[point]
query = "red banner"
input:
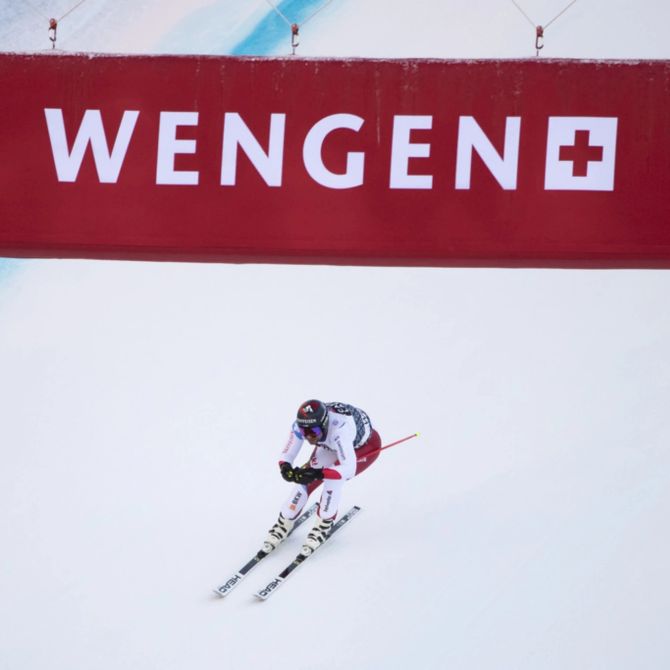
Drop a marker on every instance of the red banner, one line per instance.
(404, 162)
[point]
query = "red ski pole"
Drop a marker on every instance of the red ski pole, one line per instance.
(404, 439)
(362, 459)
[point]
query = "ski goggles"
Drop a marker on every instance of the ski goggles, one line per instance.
(311, 431)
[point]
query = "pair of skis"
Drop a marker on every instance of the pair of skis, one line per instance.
(274, 584)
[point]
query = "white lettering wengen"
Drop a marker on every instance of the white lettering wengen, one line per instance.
(597, 133)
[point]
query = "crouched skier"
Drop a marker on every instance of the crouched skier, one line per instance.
(344, 444)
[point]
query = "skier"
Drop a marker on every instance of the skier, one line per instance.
(344, 444)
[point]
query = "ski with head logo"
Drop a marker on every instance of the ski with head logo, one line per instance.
(236, 578)
(273, 585)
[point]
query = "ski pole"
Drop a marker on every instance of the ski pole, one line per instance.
(362, 459)
(404, 439)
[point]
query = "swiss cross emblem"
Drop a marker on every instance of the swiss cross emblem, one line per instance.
(581, 153)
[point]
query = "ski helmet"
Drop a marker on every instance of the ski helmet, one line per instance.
(312, 417)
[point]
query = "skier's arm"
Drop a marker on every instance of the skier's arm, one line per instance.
(292, 447)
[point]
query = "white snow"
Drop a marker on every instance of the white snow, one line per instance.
(143, 406)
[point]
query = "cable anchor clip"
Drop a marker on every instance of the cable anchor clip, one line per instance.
(539, 39)
(53, 27)
(295, 36)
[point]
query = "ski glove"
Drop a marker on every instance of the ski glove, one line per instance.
(304, 475)
(307, 475)
(287, 471)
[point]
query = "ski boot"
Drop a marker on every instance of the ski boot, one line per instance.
(317, 536)
(278, 533)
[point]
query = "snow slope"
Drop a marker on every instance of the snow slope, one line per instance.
(143, 406)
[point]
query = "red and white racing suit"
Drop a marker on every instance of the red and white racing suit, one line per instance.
(350, 446)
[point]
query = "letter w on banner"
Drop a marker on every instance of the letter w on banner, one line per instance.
(91, 131)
